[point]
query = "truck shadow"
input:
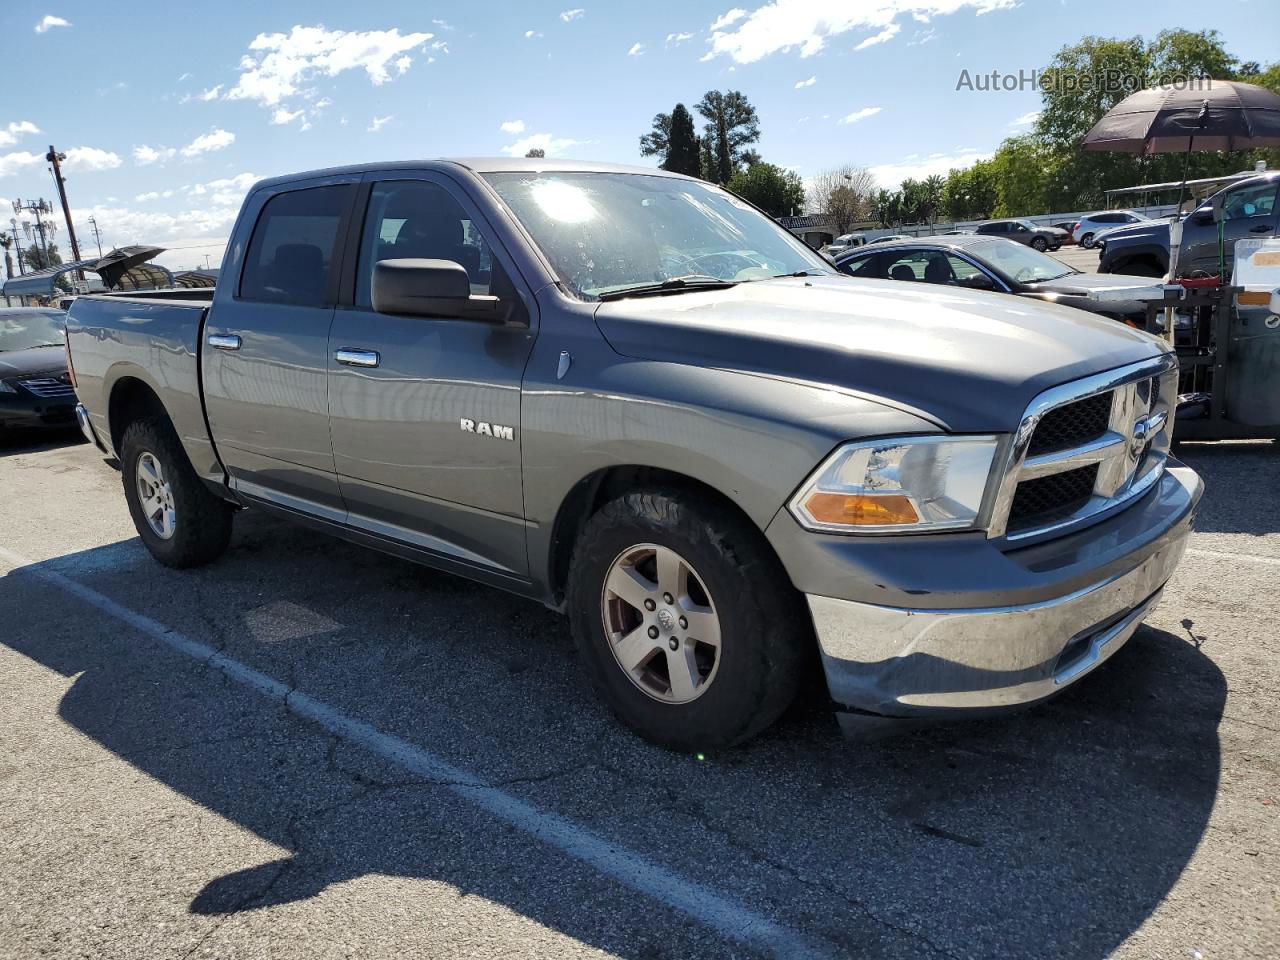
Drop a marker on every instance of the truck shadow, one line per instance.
(22, 441)
(1051, 833)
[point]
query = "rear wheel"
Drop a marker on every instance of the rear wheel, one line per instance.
(1086, 241)
(1040, 243)
(180, 521)
(685, 622)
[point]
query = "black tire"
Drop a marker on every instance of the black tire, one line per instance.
(766, 633)
(202, 525)
(1039, 243)
(1086, 241)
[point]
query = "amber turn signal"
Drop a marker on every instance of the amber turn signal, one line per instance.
(861, 509)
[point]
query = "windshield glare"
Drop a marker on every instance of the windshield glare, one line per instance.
(607, 232)
(1019, 262)
(21, 330)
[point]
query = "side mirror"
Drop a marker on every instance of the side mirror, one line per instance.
(979, 281)
(430, 288)
(1204, 218)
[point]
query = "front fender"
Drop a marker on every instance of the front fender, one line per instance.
(752, 438)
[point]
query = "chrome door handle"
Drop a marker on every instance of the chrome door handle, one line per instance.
(224, 341)
(352, 357)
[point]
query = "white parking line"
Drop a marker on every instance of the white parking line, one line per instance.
(1249, 557)
(689, 897)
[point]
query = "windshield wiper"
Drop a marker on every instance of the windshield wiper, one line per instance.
(39, 345)
(692, 281)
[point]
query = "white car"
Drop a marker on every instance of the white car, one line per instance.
(844, 243)
(1087, 230)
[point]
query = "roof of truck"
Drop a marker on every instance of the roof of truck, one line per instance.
(476, 165)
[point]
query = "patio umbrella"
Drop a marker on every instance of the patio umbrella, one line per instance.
(115, 264)
(1201, 114)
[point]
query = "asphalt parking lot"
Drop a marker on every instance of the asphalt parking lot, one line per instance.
(311, 750)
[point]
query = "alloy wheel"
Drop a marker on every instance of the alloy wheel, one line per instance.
(155, 496)
(661, 623)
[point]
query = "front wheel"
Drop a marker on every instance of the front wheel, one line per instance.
(1040, 243)
(180, 521)
(685, 622)
(1087, 241)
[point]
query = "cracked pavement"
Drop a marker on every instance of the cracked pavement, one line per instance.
(152, 806)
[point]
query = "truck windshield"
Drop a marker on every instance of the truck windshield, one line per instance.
(606, 233)
(24, 329)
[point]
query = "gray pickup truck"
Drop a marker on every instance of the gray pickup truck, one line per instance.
(634, 397)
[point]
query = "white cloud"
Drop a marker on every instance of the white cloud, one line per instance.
(218, 139)
(210, 94)
(144, 156)
(885, 35)
(860, 114)
(282, 116)
(51, 21)
(570, 15)
(377, 123)
(512, 127)
(542, 141)
(636, 50)
(806, 83)
(278, 62)
(891, 175)
(144, 197)
(1026, 119)
(185, 76)
(80, 159)
(323, 102)
(224, 192)
(921, 39)
(11, 163)
(9, 135)
(530, 34)
(807, 25)
(678, 37)
(728, 19)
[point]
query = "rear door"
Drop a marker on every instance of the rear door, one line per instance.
(265, 356)
(426, 422)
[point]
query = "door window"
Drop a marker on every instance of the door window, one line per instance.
(418, 219)
(1259, 201)
(869, 267)
(290, 258)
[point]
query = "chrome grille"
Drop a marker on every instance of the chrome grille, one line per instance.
(1086, 447)
(48, 387)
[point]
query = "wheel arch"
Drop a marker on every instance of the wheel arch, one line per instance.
(131, 398)
(603, 485)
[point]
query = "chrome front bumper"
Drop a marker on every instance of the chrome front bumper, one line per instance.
(899, 662)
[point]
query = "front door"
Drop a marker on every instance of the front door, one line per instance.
(425, 412)
(1246, 212)
(265, 357)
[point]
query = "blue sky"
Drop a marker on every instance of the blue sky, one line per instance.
(169, 112)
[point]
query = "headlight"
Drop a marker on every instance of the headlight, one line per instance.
(900, 485)
(6, 387)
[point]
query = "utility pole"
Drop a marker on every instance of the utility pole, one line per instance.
(17, 245)
(56, 158)
(37, 207)
(97, 234)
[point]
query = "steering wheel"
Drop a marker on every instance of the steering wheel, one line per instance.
(696, 262)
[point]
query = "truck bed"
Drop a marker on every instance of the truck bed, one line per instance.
(119, 344)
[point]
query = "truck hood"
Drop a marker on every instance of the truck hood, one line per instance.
(970, 360)
(1156, 231)
(40, 361)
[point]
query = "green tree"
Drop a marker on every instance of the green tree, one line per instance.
(971, 193)
(777, 192)
(682, 144)
(536, 153)
(36, 258)
(732, 125)
(1023, 168)
(657, 142)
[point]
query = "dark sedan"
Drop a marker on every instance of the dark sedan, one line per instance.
(992, 263)
(35, 386)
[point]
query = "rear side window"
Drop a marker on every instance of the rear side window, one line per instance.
(871, 266)
(291, 255)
